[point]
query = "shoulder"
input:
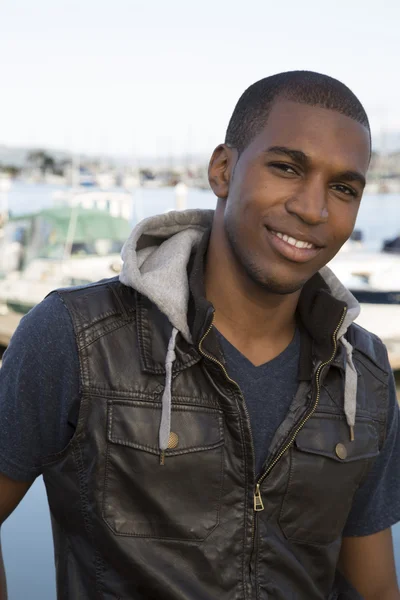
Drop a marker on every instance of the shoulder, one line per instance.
(369, 346)
(47, 321)
(95, 302)
(43, 343)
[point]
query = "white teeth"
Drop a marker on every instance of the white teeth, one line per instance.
(293, 241)
(299, 244)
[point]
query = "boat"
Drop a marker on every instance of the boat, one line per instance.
(373, 277)
(53, 248)
(117, 204)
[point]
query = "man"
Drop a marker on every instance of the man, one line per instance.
(214, 425)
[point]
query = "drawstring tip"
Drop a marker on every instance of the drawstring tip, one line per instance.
(351, 433)
(162, 457)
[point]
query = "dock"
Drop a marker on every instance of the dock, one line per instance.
(8, 324)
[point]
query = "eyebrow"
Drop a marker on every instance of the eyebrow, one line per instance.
(352, 176)
(301, 158)
(296, 155)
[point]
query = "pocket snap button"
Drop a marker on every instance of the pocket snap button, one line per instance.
(341, 451)
(173, 440)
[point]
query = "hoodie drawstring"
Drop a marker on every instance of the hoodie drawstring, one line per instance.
(165, 425)
(350, 388)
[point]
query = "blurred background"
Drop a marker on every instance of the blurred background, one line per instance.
(109, 112)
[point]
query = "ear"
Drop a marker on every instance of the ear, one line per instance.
(220, 169)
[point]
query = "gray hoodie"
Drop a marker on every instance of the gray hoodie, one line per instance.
(155, 259)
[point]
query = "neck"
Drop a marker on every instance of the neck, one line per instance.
(247, 314)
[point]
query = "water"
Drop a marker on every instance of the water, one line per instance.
(26, 198)
(26, 535)
(378, 218)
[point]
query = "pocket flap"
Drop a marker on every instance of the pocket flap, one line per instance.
(136, 424)
(329, 435)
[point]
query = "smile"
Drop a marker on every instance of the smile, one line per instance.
(292, 241)
(290, 248)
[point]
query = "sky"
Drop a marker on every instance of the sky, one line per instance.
(161, 77)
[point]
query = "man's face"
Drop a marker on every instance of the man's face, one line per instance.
(294, 194)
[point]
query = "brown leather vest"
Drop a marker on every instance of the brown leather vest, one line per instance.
(127, 527)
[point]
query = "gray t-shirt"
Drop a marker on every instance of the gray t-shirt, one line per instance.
(268, 390)
(40, 394)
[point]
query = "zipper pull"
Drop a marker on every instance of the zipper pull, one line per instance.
(258, 503)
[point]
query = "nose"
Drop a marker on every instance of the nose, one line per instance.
(309, 203)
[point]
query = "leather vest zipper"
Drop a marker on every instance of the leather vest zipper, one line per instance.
(258, 503)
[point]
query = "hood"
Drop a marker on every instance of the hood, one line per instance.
(155, 260)
(339, 291)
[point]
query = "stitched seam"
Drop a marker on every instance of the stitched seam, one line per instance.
(119, 302)
(147, 398)
(365, 359)
(88, 340)
(83, 409)
(157, 405)
(91, 290)
(99, 318)
(154, 537)
(383, 433)
(99, 568)
(318, 452)
(83, 320)
(98, 391)
(77, 455)
(289, 481)
(153, 450)
(105, 487)
(143, 344)
(180, 398)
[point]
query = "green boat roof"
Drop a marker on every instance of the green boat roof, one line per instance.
(90, 224)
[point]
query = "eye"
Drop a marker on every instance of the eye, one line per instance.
(345, 190)
(284, 168)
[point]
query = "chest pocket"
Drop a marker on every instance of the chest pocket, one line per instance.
(326, 469)
(177, 500)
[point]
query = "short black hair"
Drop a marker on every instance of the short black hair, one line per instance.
(306, 87)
